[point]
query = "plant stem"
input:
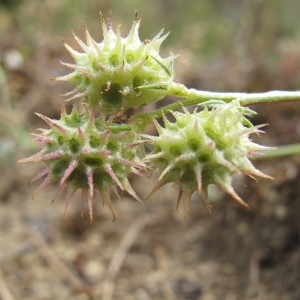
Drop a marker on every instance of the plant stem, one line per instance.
(193, 96)
(244, 98)
(285, 150)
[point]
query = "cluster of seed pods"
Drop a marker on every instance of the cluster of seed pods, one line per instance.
(93, 149)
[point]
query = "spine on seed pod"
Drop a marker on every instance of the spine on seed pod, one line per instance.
(119, 72)
(203, 148)
(87, 153)
(97, 149)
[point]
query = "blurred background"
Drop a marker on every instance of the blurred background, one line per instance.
(150, 251)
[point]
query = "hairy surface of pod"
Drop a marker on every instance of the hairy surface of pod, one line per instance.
(203, 148)
(119, 73)
(81, 152)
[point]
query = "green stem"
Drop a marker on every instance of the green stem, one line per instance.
(198, 96)
(193, 97)
(280, 151)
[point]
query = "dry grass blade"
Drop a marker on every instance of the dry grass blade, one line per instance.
(162, 264)
(120, 254)
(5, 293)
(59, 266)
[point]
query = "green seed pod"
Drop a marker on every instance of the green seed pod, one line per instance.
(82, 152)
(203, 148)
(119, 73)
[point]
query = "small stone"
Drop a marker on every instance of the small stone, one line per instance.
(186, 288)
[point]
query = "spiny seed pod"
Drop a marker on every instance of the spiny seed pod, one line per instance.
(203, 148)
(83, 152)
(119, 73)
